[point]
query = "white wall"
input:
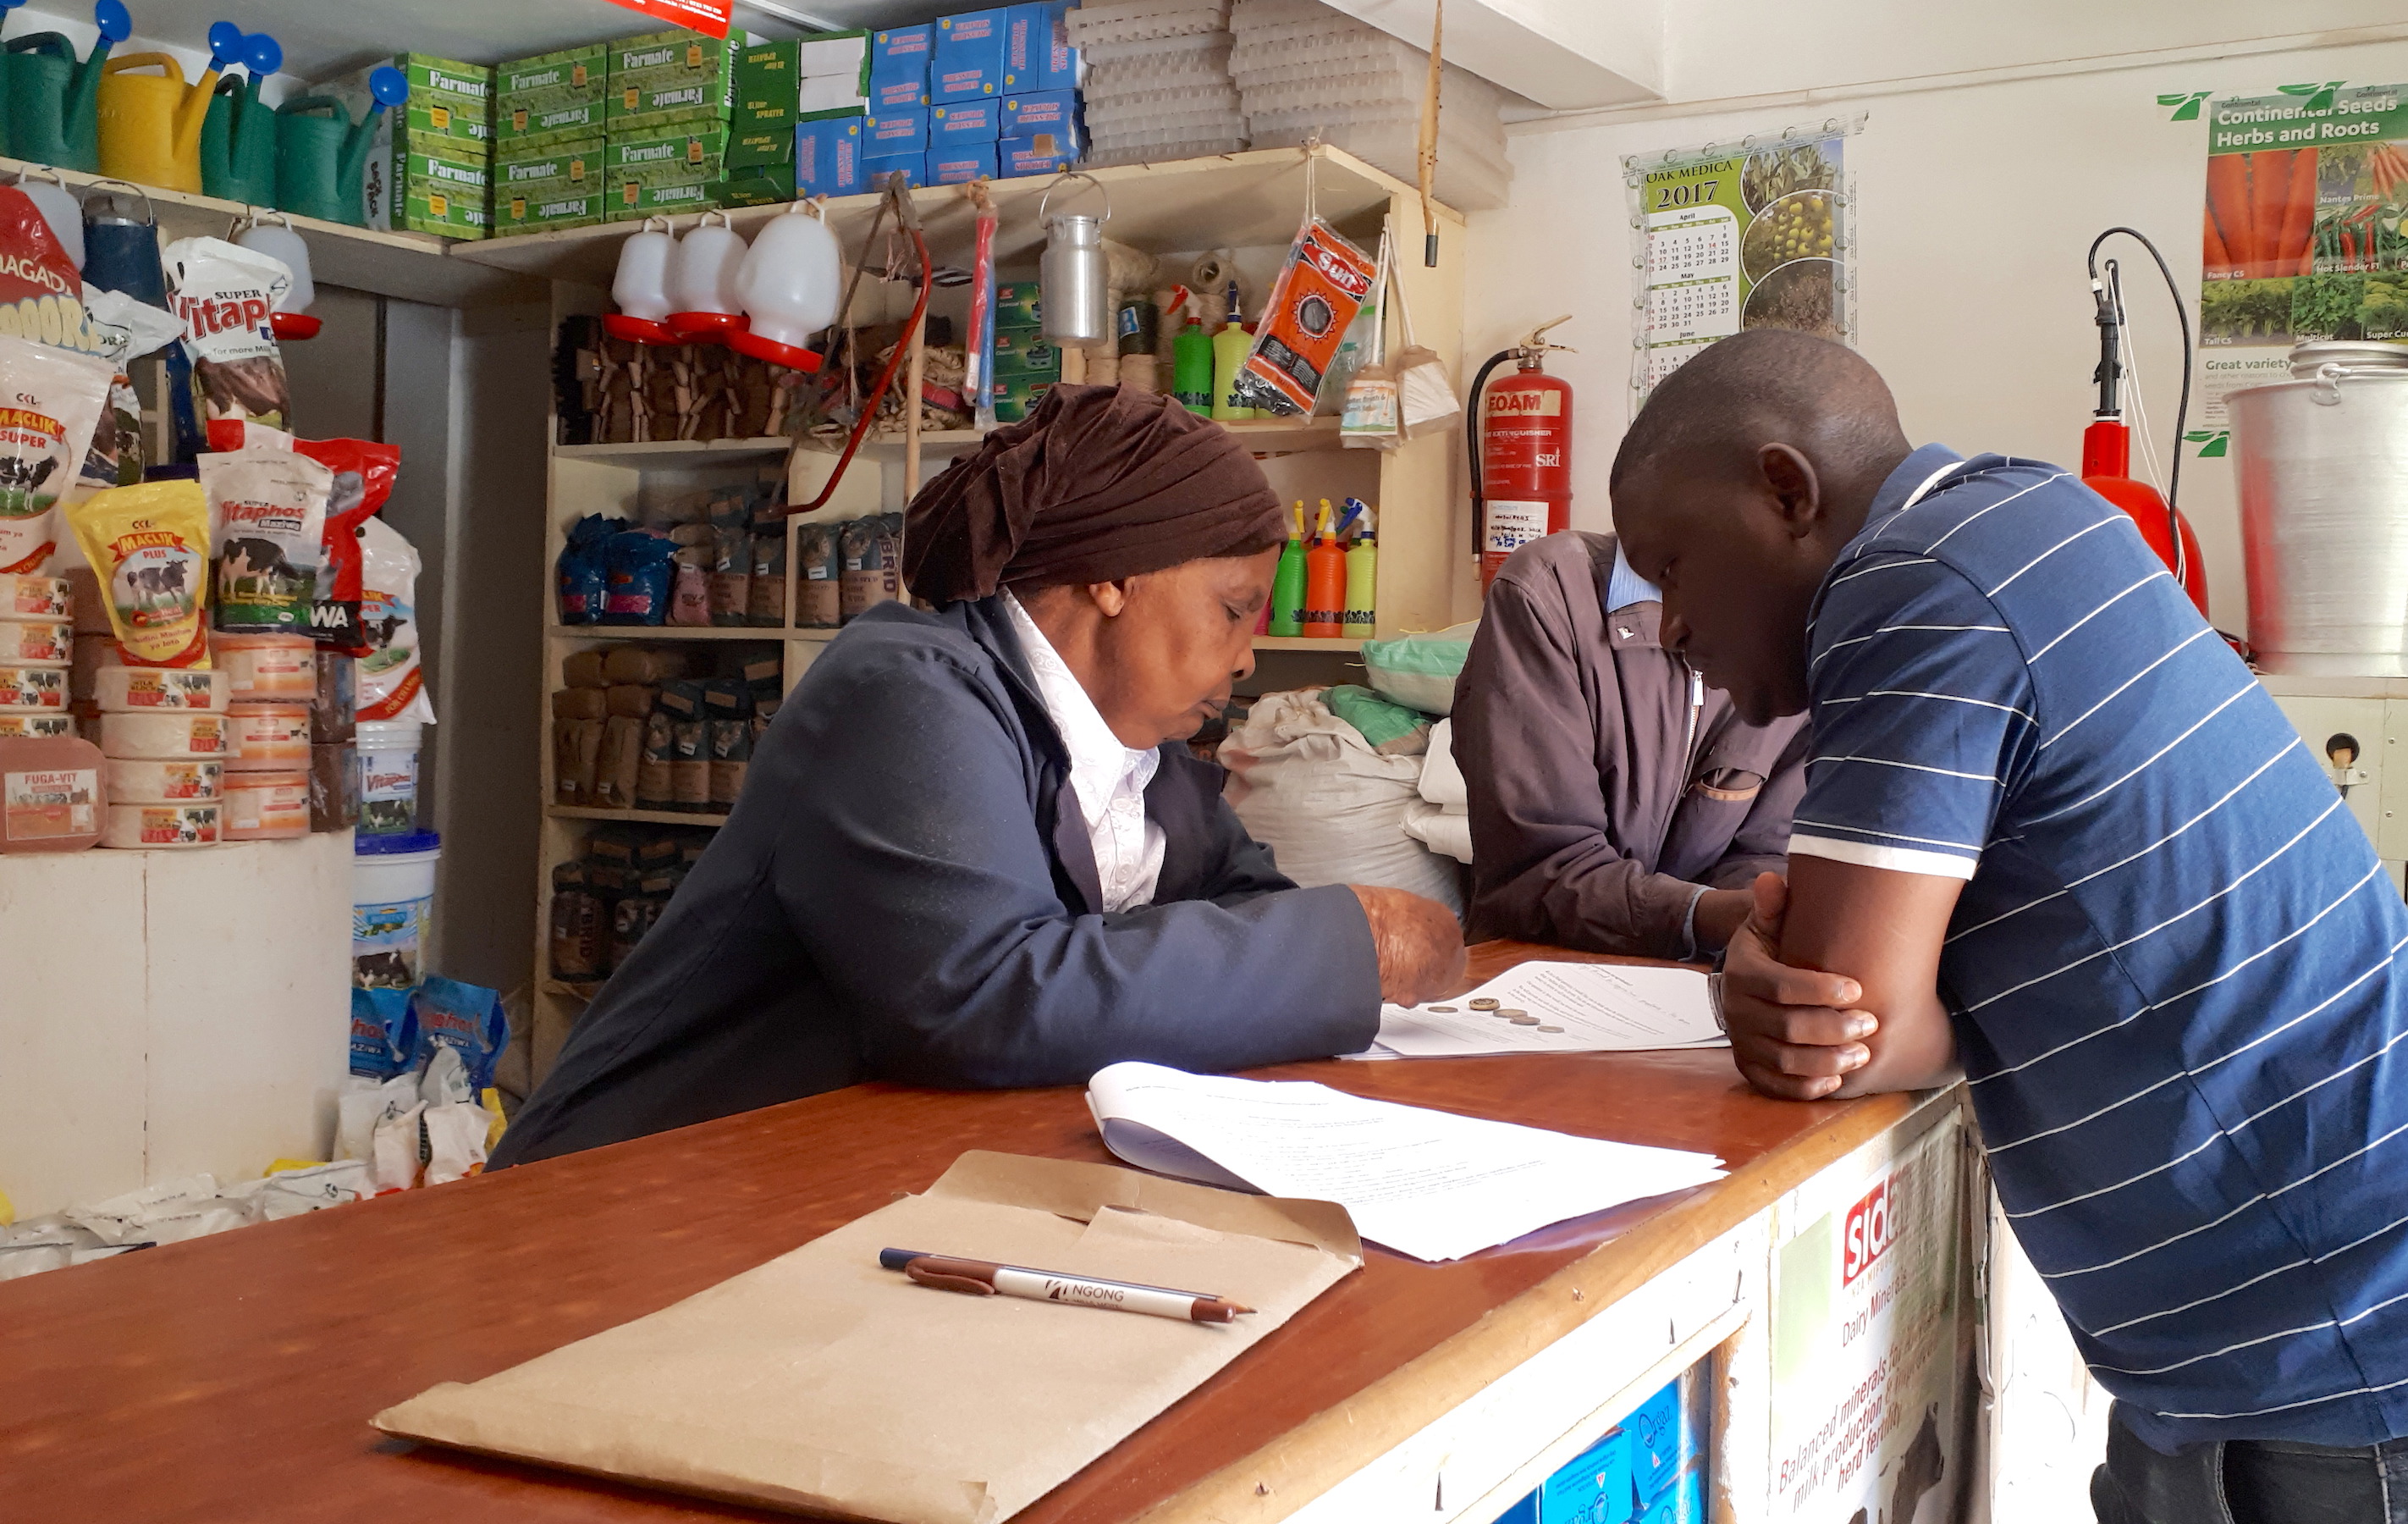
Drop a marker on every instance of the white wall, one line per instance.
(1975, 203)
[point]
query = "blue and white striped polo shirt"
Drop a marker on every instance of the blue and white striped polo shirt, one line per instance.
(2174, 970)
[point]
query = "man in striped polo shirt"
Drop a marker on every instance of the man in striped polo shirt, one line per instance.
(2053, 832)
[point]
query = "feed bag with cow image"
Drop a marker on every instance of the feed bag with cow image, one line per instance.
(149, 546)
(50, 400)
(223, 293)
(267, 517)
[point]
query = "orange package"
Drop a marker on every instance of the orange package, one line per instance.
(1317, 294)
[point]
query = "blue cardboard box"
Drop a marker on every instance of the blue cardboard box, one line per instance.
(1683, 1502)
(875, 170)
(1045, 111)
(1037, 51)
(903, 93)
(1664, 1438)
(901, 53)
(957, 164)
(896, 132)
(965, 121)
(969, 62)
(1020, 159)
(1592, 1487)
(827, 156)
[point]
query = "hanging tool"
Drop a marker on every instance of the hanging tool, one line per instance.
(1427, 157)
(1521, 449)
(2107, 443)
(896, 201)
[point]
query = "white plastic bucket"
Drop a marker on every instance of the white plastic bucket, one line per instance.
(393, 904)
(388, 776)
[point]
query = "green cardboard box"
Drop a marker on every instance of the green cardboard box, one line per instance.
(546, 213)
(570, 169)
(1015, 306)
(766, 148)
(1024, 352)
(678, 154)
(667, 78)
(766, 83)
(1017, 397)
(457, 106)
(759, 186)
(630, 198)
(440, 196)
(527, 127)
(571, 74)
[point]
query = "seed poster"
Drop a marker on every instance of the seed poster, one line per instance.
(1872, 1323)
(1750, 235)
(2306, 189)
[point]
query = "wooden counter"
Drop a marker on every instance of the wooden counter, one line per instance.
(233, 1377)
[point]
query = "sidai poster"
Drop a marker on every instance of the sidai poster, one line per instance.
(2302, 237)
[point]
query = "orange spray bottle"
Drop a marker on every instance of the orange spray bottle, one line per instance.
(1324, 580)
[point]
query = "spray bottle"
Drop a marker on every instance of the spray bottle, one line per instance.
(1287, 580)
(1324, 580)
(1362, 574)
(1191, 365)
(1230, 347)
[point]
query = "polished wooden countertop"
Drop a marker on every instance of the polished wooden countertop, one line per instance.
(233, 1377)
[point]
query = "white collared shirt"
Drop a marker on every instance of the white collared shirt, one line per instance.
(1108, 778)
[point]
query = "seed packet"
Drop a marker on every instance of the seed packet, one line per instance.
(149, 546)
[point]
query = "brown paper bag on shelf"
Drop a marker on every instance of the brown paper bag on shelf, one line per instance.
(821, 1382)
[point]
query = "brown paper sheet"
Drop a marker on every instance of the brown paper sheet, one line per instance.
(821, 1383)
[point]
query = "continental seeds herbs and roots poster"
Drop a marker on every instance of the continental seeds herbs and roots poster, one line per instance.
(2306, 190)
(1732, 235)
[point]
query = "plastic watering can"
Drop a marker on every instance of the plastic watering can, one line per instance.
(238, 136)
(150, 123)
(54, 101)
(320, 152)
(6, 7)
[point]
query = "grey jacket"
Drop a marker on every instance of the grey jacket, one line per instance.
(905, 890)
(1601, 795)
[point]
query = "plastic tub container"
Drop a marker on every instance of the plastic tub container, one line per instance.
(159, 736)
(266, 806)
(36, 642)
(393, 903)
(17, 722)
(161, 826)
(281, 667)
(34, 687)
(269, 738)
(51, 795)
(185, 781)
(388, 776)
(24, 595)
(135, 690)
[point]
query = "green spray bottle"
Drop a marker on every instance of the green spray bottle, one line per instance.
(1287, 582)
(1191, 364)
(1362, 574)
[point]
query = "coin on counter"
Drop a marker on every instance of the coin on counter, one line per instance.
(1526, 1021)
(1509, 1012)
(1441, 1011)
(1551, 1028)
(1485, 1003)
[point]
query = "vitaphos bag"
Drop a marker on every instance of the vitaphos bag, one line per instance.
(224, 294)
(268, 523)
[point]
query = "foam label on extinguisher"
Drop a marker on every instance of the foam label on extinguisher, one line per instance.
(1513, 524)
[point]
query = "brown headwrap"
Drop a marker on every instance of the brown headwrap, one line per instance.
(1096, 484)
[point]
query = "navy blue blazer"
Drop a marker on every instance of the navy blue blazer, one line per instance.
(905, 891)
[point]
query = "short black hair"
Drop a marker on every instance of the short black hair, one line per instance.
(1761, 385)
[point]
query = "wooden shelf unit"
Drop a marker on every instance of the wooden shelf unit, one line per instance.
(1252, 200)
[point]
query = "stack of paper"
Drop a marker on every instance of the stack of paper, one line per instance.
(1423, 1183)
(1557, 1008)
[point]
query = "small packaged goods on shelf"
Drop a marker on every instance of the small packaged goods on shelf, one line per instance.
(677, 736)
(604, 903)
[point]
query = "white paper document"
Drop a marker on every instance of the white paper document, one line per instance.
(1424, 1183)
(1569, 1007)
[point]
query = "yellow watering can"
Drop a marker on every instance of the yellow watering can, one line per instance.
(150, 123)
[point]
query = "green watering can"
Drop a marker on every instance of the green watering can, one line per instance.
(54, 101)
(239, 134)
(320, 157)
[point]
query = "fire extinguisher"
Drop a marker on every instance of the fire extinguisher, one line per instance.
(2107, 443)
(1521, 449)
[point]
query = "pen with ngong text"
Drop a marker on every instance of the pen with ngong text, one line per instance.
(985, 1278)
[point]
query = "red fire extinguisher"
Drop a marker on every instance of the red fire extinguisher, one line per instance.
(1521, 448)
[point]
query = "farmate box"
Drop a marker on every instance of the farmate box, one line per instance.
(682, 154)
(827, 156)
(958, 164)
(667, 78)
(968, 59)
(568, 77)
(962, 123)
(896, 132)
(560, 169)
(624, 200)
(452, 116)
(441, 196)
(914, 167)
(520, 127)
(1037, 51)
(548, 213)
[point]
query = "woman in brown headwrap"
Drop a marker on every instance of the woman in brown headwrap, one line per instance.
(970, 849)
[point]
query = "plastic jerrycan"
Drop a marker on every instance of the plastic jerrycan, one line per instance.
(319, 158)
(150, 123)
(238, 137)
(54, 101)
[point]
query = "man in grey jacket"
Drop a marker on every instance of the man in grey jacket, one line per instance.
(1616, 805)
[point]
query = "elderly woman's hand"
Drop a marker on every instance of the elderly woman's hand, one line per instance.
(1419, 942)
